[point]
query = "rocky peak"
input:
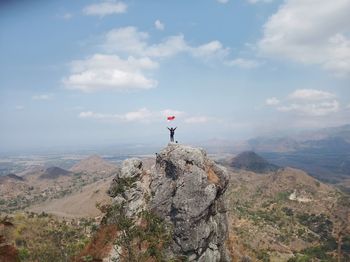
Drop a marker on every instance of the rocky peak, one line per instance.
(187, 187)
(184, 189)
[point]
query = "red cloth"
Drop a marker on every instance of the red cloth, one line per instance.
(170, 118)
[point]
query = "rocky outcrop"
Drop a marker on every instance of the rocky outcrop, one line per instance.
(185, 190)
(129, 187)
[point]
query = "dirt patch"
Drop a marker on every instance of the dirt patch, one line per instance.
(212, 177)
(8, 253)
(100, 245)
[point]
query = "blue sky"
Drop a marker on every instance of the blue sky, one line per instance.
(76, 73)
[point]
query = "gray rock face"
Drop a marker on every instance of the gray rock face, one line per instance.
(132, 197)
(187, 190)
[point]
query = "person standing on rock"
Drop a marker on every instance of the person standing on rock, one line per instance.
(172, 133)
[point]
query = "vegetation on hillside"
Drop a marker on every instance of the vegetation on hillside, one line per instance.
(268, 226)
(44, 238)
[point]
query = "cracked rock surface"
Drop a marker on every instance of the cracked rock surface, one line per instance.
(187, 189)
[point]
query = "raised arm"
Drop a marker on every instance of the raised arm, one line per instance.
(175, 128)
(168, 128)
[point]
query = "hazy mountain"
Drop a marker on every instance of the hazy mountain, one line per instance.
(251, 161)
(54, 173)
(10, 177)
(273, 144)
(15, 177)
(327, 159)
(340, 132)
(334, 137)
(94, 165)
(324, 153)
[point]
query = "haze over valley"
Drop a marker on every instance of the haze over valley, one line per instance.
(151, 131)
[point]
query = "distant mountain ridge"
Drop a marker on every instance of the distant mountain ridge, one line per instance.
(324, 153)
(10, 177)
(93, 165)
(54, 173)
(251, 161)
(333, 136)
(38, 184)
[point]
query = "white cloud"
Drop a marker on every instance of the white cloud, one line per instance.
(222, 1)
(172, 112)
(159, 25)
(171, 46)
(126, 39)
(244, 63)
(109, 72)
(272, 101)
(213, 49)
(310, 32)
(307, 102)
(90, 114)
(105, 8)
(131, 41)
(19, 107)
(143, 115)
(312, 109)
(310, 94)
(100, 61)
(42, 97)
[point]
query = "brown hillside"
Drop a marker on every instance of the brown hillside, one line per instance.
(277, 215)
(78, 204)
(94, 165)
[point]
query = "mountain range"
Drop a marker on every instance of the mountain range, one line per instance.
(251, 161)
(47, 189)
(322, 153)
(245, 208)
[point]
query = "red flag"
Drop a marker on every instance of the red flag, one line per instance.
(170, 118)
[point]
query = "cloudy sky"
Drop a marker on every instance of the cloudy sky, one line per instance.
(106, 72)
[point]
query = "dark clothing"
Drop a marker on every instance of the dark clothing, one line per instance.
(172, 133)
